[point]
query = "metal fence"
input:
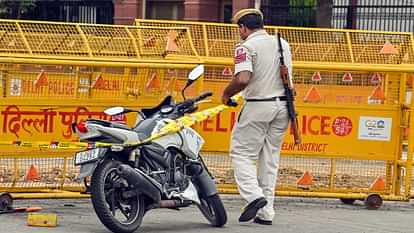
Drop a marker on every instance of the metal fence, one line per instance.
(300, 13)
(81, 11)
(385, 15)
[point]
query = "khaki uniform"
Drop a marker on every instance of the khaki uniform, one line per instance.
(258, 134)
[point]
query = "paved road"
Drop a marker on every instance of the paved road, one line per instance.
(294, 215)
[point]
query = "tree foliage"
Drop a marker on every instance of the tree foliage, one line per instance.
(15, 9)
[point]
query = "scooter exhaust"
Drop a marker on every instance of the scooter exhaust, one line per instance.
(141, 182)
(174, 203)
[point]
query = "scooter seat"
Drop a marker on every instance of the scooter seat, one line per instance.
(109, 124)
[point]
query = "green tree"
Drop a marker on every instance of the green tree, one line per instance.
(15, 9)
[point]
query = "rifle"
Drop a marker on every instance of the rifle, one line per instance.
(284, 75)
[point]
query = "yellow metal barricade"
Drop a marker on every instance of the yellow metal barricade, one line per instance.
(352, 85)
(350, 138)
(39, 103)
(352, 108)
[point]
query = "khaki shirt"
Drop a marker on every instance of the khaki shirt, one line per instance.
(259, 54)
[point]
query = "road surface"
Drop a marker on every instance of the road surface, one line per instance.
(293, 215)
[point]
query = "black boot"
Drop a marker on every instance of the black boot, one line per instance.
(251, 209)
(261, 221)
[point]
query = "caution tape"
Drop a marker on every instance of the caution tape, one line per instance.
(172, 127)
(189, 120)
(44, 145)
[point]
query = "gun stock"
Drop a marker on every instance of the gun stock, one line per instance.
(284, 75)
(295, 130)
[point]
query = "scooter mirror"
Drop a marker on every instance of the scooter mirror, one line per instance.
(196, 73)
(193, 76)
(114, 111)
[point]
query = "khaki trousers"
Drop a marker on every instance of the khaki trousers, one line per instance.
(255, 151)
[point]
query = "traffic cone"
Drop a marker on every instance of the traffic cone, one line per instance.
(378, 185)
(377, 95)
(171, 42)
(347, 77)
(305, 180)
(227, 72)
(153, 82)
(388, 48)
(41, 80)
(99, 82)
(316, 77)
(32, 174)
(376, 78)
(312, 96)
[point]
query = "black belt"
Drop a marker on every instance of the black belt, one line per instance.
(280, 98)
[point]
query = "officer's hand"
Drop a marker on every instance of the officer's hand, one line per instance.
(294, 91)
(225, 99)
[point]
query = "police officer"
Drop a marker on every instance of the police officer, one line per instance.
(263, 120)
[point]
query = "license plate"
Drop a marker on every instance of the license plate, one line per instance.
(88, 156)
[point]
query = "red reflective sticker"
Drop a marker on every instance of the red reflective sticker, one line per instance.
(241, 56)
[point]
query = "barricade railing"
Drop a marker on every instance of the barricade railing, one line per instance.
(215, 41)
(354, 114)
(73, 41)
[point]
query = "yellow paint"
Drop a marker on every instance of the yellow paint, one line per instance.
(42, 220)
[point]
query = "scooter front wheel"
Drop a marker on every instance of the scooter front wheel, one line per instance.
(213, 209)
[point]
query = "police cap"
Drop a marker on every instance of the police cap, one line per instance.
(244, 12)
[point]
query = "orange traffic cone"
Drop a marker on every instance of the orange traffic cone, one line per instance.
(305, 180)
(347, 77)
(153, 82)
(378, 185)
(316, 77)
(41, 80)
(227, 72)
(32, 174)
(388, 48)
(377, 96)
(312, 96)
(171, 42)
(376, 78)
(99, 82)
